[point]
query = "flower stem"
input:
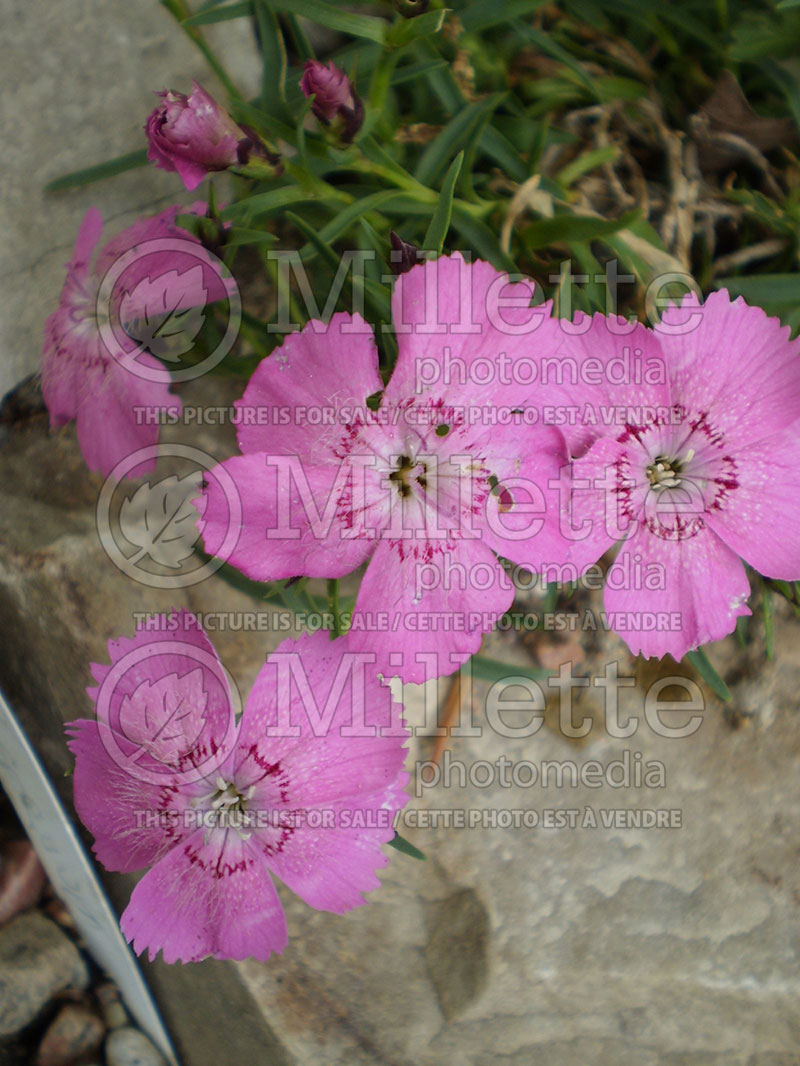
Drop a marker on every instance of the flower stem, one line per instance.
(180, 11)
(333, 605)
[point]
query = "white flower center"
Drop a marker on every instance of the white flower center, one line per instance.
(226, 805)
(665, 473)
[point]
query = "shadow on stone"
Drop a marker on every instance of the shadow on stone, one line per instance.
(457, 950)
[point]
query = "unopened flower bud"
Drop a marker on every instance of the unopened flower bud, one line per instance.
(333, 96)
(192, 135)
(404, 255)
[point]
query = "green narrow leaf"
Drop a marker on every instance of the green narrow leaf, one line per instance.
(294, 597)
(238, 236)
(333, 605)
(481, 239)
(377, 298)
(219, 13)
(595, 292)
(611, 89)
(650, 13)
(274, 61)
(551, 597)
(768, 608)
(413, 71)
(545, 42)
(378, 91)
(376, 153)
(302, 45)
(787, 591)
(335, 18)
(586, 162)
(460, 133)
(541, 134)
(487, 669)
(347, 217)
(179, 9)
(471, 148)
(102, 170)
(499, 148)
(235, 578)
(270, 126)
(316, 240)
(786, 82)
(440, 223)
(374, 240)
(405, 31)
(440, 81)
(775, 293)
(486, 13)
(700, 661)
(263, 203)
(546, 231)
(406, 847)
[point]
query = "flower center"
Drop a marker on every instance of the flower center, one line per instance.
(406, 473)
(225, 807)
(83, 312)
(665, 473)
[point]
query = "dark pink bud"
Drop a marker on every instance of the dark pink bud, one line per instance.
(192, 135)
(333, 95)
(403, 256)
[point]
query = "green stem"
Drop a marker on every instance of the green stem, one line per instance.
(333, 605)
(295, 312)
(414, 188)
(180, 11)
(292, 596)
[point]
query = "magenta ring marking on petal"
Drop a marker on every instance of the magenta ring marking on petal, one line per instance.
(108, 733)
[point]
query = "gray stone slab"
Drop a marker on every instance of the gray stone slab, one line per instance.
(78, 79)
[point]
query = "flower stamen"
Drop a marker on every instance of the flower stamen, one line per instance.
(664, 473)
(400, 476)
(223, 801)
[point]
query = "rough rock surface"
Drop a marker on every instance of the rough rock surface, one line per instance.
(612, 945)
(36, 961)
(575, 945)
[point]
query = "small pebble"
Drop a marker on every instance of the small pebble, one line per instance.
(22, 879)
(114, 1013)
(37, 960)
(75, 1032)
(129, 1047)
